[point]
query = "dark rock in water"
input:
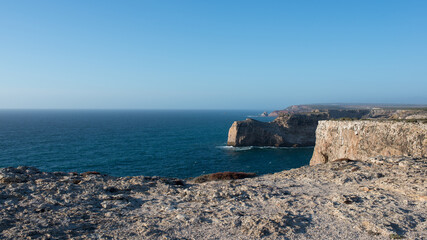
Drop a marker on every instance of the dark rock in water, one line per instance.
(264, 114)
(223, 176)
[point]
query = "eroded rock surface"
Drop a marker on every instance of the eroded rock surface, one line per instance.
(296, 125)
(363, 139)
(287, 130)
(374, 199)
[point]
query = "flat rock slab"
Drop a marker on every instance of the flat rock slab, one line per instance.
(381, 198)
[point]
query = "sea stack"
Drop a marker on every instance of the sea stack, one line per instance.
(285, 131)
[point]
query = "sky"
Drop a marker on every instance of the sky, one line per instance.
(211, 54)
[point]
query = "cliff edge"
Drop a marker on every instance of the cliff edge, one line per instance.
(364, 139)
(287, 130)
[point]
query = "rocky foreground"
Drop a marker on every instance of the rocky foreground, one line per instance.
(380, 198)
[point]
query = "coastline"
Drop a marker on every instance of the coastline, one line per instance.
(351, 193)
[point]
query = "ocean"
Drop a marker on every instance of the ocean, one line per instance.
(167, 143)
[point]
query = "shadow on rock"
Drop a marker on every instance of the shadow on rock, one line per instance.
(223, 176)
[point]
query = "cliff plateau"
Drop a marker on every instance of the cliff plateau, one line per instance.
(380, 199)
(362, 140)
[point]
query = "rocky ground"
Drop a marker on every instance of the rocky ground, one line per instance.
(383, 198)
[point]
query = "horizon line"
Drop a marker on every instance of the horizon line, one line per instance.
(219, 109)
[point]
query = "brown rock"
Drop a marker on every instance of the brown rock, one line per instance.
(223, 176)
(90, 173)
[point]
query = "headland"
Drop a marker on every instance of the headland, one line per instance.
(296, 125)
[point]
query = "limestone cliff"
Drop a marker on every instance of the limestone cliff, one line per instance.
(292, 129)
(254, 133)
(287, 130)
(362, 140)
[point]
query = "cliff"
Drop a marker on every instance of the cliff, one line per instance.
(287, 130)
(362, 140)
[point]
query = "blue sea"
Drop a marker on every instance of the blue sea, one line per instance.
(168, 143)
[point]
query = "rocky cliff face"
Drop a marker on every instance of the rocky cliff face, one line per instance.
(285, 131)
(254, 133)
(362, 140)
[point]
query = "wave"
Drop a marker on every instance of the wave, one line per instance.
(246, 148)
(231, 148)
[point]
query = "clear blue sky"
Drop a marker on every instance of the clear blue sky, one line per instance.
(211, 54)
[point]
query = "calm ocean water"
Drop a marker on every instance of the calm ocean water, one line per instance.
(135, 142)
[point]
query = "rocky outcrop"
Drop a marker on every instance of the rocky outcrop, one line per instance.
(295, 127)
(364, 139)
(254, 133)
(287, 130)
(378, 199)
(220, 176)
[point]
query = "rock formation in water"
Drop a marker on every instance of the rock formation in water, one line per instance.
(362, 140)
(286, 130)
